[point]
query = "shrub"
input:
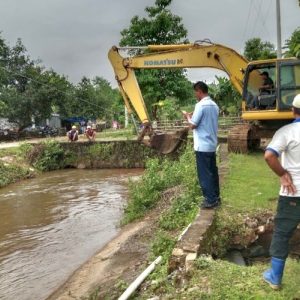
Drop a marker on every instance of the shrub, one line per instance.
(160, 175)
(11, 173)
(46, 156)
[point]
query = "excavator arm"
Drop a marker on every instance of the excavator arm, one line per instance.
(196, 55)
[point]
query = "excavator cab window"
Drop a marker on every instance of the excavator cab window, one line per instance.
(260, 87)
(289, 78)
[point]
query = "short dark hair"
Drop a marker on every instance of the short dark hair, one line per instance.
(200, 85)
(265, 73)
(296, 110)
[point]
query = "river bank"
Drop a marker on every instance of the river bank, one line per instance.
(249, 194)
(29, 160)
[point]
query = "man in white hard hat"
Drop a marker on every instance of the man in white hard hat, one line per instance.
(285, 144)
(90, 134)
(73, 134)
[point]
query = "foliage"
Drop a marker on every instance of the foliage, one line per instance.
(293, 44)
(10, 173)
(28, 91)
(226, 96)
(24, 150)
(163, 245)
(256, 49)
(168, 109)
(159, 27)
(100, 151)
(46, 156)
(160, 175)
(93, 99)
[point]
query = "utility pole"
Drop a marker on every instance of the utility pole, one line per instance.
(278, 23)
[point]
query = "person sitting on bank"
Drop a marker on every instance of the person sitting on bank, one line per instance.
(73, 134)
(266, 88)
(90, 134)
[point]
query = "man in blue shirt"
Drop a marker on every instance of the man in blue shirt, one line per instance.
(204, 123)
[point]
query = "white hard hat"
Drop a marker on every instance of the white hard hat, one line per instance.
(89, 127)
(296, 102)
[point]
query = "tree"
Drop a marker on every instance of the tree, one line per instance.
(159, 27)
(293, 44)
(225, 95)
(92, 99)
(30, 91)
(256, 49)
(27, 89)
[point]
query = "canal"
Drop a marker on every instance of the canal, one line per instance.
(52, 224)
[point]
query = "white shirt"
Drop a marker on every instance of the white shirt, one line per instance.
(286, 143)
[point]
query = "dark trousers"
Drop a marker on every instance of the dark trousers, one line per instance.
(286, 222)
(208, 176)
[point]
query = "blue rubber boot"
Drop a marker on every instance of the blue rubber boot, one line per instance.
(273, 276)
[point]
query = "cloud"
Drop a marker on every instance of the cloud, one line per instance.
(73, 36)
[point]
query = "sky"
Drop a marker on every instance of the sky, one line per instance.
(73, 36)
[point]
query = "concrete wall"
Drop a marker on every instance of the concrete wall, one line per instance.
(113, 154)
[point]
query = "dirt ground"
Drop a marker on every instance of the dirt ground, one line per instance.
(123, 258)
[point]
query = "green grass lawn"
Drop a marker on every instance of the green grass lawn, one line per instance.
(250, 184)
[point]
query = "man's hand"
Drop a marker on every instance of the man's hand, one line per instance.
(186, 114)
(287, 183)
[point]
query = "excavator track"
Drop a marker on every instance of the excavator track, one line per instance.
(242, 139)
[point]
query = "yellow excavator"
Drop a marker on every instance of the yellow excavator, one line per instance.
(273, 107)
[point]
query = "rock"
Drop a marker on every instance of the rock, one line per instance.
(193, 289)
(261, 229)
(251, 223)
(81, 166)
(189, 261)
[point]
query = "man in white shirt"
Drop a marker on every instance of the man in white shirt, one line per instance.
(285, 144)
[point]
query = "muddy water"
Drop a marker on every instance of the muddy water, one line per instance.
(50, 225)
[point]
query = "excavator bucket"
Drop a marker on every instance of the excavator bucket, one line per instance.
(166, 143)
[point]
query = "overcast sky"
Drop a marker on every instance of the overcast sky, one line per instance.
(74, 36)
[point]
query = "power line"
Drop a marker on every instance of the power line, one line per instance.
(257, 15)
(247, 22)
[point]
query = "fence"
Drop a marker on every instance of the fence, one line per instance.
(225, 124)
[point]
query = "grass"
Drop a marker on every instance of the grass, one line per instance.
(249, 188)
(158, 177)
(10, 173)
(250, 184)
(13, 169)
(218, 280)
(120, 133)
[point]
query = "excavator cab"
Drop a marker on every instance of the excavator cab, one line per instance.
(271, 86)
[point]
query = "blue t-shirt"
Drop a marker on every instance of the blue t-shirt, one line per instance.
(205, 117)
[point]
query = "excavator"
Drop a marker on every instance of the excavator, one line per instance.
(273, 109)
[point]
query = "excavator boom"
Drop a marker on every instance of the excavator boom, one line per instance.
(196, 55)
